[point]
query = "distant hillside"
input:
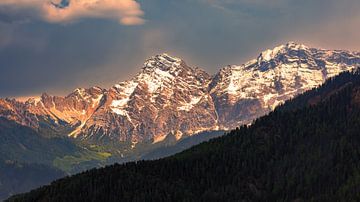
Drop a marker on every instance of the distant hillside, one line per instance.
(23, 144)
(29, 159)
(20, 177)
(307, 153)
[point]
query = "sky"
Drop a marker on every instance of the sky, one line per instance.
(59, 45)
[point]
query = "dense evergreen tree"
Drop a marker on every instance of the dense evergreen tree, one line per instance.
(306, 150)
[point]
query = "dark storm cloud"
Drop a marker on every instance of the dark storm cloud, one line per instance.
(37, 56)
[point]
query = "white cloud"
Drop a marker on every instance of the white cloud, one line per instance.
(127, 12)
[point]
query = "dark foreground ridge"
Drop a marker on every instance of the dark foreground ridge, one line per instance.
(306, 150)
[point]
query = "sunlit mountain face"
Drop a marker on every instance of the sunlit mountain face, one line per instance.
(89, 83)
(168, 106)
(315, 134)
(168, 97)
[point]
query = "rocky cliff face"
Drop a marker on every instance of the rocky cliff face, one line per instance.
(242, 93)
(167, 97)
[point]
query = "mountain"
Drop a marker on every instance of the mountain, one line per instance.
(162, 105)
(165, 108)
(307, 153)
(167, 97)
(243, 93)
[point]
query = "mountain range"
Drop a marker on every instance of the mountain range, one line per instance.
(165, 108)
(305, 150)
(167, 97)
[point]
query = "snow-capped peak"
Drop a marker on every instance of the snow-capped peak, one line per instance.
(279, 74)
(270, 54)
(79, 91)
(295, 46)
(166, 63)
(158, 71)
(162, 58)
(167, 95)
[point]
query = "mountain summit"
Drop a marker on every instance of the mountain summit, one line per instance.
(169, 98)
(243, 92)
(305, 150)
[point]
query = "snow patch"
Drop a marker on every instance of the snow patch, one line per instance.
(188, 106)
(271, 54)
(125, 89)
(77, 131)
(97, 100)
(119, 103)
(159, 138)
(119, 111)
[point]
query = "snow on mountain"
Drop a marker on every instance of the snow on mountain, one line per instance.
(167, 97)
(244, 92)
(155, 103)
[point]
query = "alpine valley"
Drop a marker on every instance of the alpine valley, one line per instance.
(165, 108)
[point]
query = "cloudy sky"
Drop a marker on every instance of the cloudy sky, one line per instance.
(56, 46)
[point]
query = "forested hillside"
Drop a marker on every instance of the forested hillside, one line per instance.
(306, 150)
